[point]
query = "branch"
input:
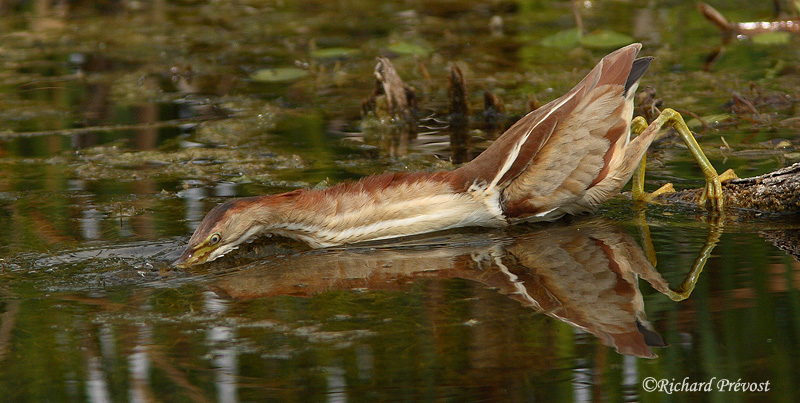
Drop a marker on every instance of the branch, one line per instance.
(775, 192)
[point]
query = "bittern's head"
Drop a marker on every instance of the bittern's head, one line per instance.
(224, 228)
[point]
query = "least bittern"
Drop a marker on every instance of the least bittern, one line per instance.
(566, 157)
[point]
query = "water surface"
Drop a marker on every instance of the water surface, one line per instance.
(122, 124)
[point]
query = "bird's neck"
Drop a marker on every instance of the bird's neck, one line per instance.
(377, 207)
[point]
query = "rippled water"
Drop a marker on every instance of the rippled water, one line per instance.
(123, 123)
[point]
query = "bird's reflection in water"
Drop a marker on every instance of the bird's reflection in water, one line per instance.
(584, 274)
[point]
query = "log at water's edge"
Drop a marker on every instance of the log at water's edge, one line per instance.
(775, 192)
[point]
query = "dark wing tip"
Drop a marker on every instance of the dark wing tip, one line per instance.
(640, 65)
(651, 337)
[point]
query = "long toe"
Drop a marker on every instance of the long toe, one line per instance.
(713, 195)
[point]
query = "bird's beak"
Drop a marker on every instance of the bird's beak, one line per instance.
(189, 258)
(182, 261)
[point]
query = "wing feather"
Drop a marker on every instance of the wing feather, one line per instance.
(525, 139)
(588, 130)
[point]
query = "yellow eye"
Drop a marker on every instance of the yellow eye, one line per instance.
(214, 239)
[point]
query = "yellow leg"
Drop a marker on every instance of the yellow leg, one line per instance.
(712, 195)
(684, 290)
(647, 240)
(686, 287)
(637, 192)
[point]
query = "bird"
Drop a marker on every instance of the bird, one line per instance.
(564, 158)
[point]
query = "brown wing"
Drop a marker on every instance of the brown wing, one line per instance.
(579, 142)
(523, 141)
(574, 160)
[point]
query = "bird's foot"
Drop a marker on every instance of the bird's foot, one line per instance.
(649, 197)
(712, 197)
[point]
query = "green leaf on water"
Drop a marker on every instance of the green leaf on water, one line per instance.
(408, 48)
(334, 53)
(563, 39)
(278, 75)
(772, 38)
(604, 39)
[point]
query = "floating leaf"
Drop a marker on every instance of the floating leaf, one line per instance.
(563, 39)
(278, 75)
(334, 53)
(772, 38)
(408, 48)
(605, 39)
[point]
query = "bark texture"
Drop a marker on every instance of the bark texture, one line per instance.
(775, 192)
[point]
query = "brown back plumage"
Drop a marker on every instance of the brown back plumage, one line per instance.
(565, 147)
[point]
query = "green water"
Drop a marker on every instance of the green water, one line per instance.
(123, 123)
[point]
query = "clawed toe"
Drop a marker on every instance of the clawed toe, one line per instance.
(668, 188)
(728, 175)
(649, 197)
(712, 197)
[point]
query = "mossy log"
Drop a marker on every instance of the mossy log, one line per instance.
(775, 192)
